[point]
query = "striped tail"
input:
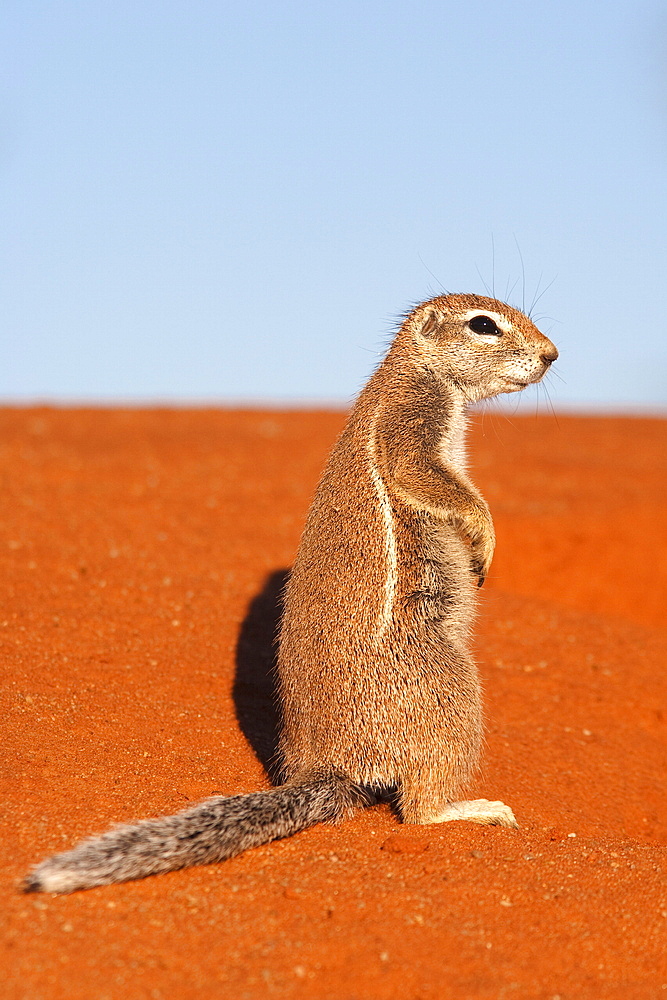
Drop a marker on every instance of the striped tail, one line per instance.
(216, 829)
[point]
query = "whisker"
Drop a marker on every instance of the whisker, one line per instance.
(542, 316)
(488, 290)
(493, 266)
(551, 405)
(523, 275)
(435, 278)
(508, 291)
(543, 292)
(496, 423)
(537, 288)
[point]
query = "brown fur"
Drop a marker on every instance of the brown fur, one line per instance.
(378, 689)
(376, 677)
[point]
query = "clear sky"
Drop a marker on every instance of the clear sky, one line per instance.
(235, 201)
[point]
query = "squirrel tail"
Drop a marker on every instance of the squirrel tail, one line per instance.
(216, 829)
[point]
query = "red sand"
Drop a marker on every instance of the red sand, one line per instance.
(135, 549)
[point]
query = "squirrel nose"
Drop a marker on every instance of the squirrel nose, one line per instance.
(549, 357)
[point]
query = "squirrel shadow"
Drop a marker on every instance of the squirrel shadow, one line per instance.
(255, 691)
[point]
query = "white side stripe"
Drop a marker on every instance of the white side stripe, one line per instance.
(389, 538)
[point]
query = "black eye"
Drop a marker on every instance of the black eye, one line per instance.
(484, 324)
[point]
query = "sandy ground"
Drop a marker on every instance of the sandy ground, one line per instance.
(140, 557)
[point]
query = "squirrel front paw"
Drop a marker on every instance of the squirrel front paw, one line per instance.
(482, 549)
(481, 570)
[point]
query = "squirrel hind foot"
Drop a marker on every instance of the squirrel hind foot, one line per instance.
(477, 811)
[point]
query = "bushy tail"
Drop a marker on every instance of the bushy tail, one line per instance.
(214, 830)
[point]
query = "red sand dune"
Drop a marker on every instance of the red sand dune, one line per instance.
(140, 554)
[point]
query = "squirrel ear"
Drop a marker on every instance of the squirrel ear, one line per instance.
(429, 326)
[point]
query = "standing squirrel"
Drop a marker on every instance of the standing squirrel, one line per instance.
(378, 690)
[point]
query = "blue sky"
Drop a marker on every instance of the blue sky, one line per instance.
(212, 201)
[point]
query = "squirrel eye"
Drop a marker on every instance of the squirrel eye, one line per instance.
(484, 324)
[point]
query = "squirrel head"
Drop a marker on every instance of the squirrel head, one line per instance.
(483, 347)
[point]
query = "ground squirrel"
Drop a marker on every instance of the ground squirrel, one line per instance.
(379, 693)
